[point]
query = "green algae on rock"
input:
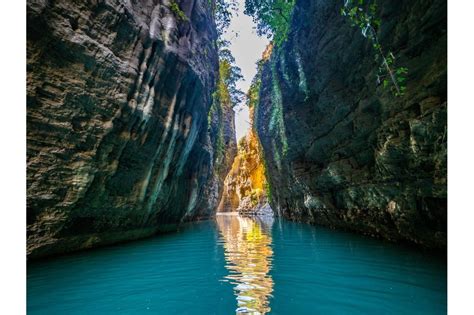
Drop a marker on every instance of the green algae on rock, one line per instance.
(356, 157)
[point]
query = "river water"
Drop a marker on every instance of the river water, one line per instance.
(244, 266)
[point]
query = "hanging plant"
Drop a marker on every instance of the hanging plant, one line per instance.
(363, 15)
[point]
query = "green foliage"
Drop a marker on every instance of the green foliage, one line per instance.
(213, 109)
(252, 94)
(174, 7)
(362, 14)
(254, 90)
(226, 96)
(267, 185)
(229, 75)
(268, 191)
(223, 12)
(272, 17)
(216, 110)
(277, 123)
(397, 76)
(220, 148)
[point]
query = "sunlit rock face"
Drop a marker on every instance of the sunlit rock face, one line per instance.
(119, 140)
(245, 185)
(344, 152)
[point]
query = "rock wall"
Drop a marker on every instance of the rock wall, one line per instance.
(341, 150)
(245, 184)
(119, 135)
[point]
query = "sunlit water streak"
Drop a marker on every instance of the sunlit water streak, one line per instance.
(278, 268)
(248, 253)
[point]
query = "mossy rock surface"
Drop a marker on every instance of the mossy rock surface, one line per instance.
(346, 152)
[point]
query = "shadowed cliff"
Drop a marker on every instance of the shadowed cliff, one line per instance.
(120, 137)
(342, 150)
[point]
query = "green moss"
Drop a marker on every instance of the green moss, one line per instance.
(219, 147)
(268, 187)
(221, 100)
(276, 154)
(174, 7)
(254, 90)
(212, 110)
(277, 125)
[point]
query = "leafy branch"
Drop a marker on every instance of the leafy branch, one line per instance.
(223, 11)
(272, 17)
(363, 15)
(229, 75)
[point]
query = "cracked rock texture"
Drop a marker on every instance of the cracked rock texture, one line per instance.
(119, 140)
(245, 184)
(344, 152)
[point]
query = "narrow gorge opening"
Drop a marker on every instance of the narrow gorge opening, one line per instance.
(245, 187)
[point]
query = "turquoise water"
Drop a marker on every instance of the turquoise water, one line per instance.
(242, 265)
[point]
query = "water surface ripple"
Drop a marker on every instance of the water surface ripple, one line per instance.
(241, 265)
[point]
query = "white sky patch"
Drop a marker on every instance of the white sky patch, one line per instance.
(247, 49)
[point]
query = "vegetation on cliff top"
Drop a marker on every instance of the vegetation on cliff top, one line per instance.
(272, 17)
(226, 94)
(229, 73)
(223, 11)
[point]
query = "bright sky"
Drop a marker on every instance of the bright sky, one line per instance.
(247, 49)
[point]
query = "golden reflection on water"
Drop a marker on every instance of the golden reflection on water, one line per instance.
(248, 253)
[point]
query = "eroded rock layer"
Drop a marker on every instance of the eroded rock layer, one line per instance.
(343, 151)
(245, 184)
(119, 142)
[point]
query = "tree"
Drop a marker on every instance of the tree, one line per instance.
(223, 12)
(229, 75)
(272, 17)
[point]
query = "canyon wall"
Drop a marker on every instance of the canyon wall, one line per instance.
(245, 186)
(342, 150)
(120, 137)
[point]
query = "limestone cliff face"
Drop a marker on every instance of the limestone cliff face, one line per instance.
(245, 184)
(344, 152)
(119, 135)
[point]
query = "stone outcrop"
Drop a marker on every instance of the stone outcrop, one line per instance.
(245, 184)
(343, 151)
(120, 141)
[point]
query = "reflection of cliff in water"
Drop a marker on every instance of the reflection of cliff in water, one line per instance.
(248, 253)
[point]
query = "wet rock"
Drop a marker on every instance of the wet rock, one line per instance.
(344, 152)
